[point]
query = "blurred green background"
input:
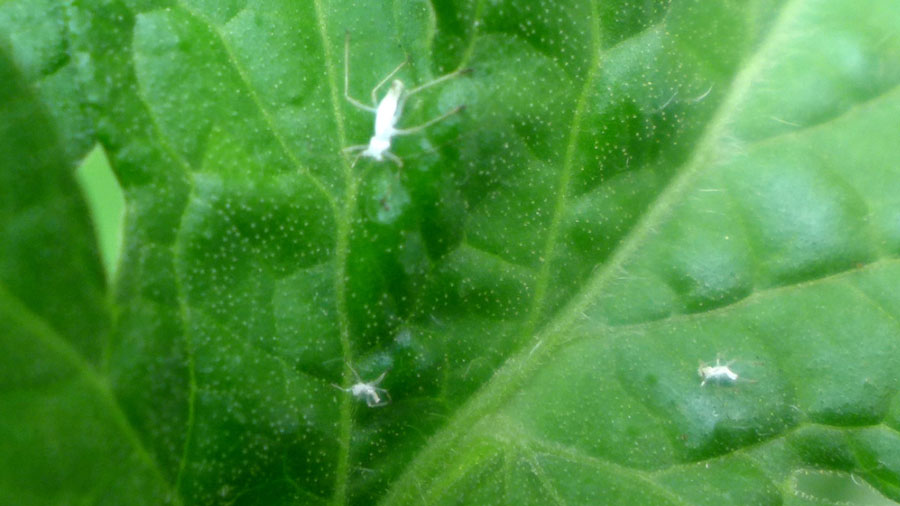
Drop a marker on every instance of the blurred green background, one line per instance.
(107, 205)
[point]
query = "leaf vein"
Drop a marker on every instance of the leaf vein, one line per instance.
(184, 310)
(342, 247)
(565, 176)
(659, 209)
(37, 326)
(254, 96)
(574, 456)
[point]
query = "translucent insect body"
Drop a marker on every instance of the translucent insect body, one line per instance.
(368, 391)
(719, 373)
(388, 110)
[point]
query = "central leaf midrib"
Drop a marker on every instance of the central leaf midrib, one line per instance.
(342, 240)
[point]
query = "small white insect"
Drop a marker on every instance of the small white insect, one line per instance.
(719, 373)
(388, 110)
(368, 391)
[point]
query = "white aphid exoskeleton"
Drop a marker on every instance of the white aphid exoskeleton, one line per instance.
(388, 110)
(719, 373)
(368, 391)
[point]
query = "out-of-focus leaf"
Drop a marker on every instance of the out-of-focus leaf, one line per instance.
(64, 437)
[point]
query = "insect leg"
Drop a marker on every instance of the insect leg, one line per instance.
(386, 79)
(445, 77)
(350, 99)
(355, 374)
(394, 158)
(355, 159)
(423, 126)
(387, 397)
(378, 379)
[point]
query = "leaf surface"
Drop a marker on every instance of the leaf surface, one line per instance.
(632, 190)
(64, 436)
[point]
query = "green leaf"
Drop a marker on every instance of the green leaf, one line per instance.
(64, 437)
(634, 188)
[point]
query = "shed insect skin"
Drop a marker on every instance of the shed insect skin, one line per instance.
(719, 373)
(368, 391)
(389, 109)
